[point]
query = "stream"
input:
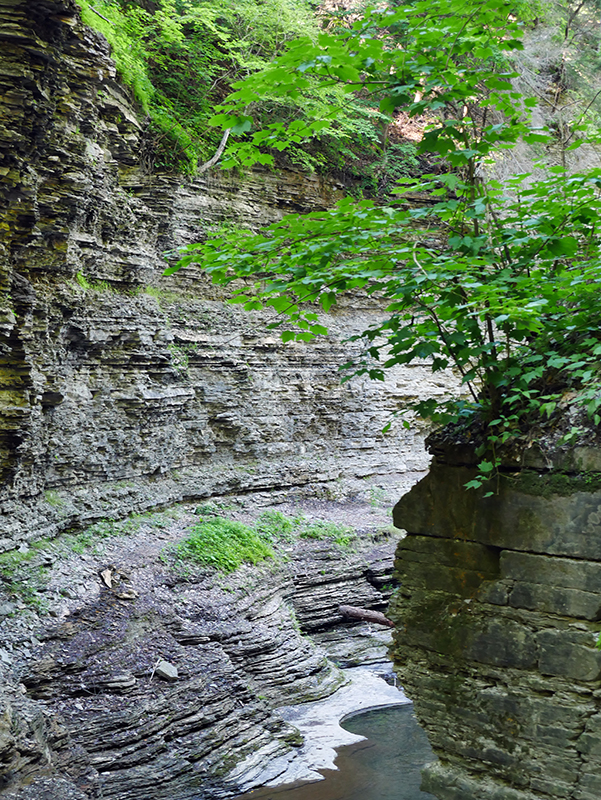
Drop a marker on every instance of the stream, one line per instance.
(385, 765)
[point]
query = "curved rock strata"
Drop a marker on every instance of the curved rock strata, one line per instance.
(498, 625)
(319, 724)
(92, 704)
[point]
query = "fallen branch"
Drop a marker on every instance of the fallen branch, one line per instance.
(365, 614)
(100, 15)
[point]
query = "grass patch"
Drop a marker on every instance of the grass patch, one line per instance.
(213, 509)
(23, 580)
(224, 544)
(341, 534)
(81, 541)
(274, 526)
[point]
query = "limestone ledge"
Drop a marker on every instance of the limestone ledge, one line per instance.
(498, 618)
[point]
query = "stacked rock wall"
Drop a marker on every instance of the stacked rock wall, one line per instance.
(498, 622)
(120, 390)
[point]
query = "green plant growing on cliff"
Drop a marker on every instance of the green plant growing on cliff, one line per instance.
(224, 544)
(92, 286)
(53, 498)
(164, 297)
(500, 284)
(180, 355)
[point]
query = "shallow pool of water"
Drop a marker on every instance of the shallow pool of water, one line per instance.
(384, 767)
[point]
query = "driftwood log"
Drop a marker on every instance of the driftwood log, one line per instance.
(365, 614)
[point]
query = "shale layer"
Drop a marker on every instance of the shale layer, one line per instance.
(121, 390)
(148, 677)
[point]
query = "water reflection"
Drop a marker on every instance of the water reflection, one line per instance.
(384, 767)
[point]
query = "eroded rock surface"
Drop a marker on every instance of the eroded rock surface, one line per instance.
(87, 705)
(498, 621)
(121, 390)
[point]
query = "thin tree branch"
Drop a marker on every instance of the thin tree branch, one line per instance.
(212, 161)
(100, 15)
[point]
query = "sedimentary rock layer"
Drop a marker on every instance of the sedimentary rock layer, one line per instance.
(91, 708)
(120, 390)
(498, 621)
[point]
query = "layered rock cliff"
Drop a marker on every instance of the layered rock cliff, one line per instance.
(498, 623)
(120, 390)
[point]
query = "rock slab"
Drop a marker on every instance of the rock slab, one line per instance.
(497, 628)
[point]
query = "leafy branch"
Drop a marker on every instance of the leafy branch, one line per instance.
(500, 283)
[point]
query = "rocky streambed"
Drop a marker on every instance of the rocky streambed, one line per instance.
(141, 676)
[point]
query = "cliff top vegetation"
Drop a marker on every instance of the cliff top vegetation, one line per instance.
(181, 58)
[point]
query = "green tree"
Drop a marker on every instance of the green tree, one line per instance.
(500, 283)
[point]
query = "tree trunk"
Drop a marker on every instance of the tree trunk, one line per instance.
(365, 614)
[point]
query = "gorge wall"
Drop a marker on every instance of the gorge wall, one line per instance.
(123, 391)
(498, 619)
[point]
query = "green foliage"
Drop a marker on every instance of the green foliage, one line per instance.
(378, 497)
(213, 508)
(124, 31)
(421, 57)
(179, 58)
(500, 284)
(92, 286)
(22, 577)
(398, 160)
(224, 544)
(180, 355)
(92, 536)
(24, 573)
(569, 86)
(340, 534)
(53, 498)
(79, 542)
(164, 297)
(275, 526)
